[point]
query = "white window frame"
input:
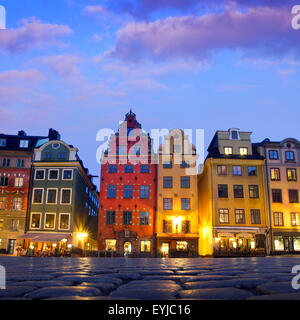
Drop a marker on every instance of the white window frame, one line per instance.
(66, 213)
(39, 170)
(49, 213)
(19, 178)
(55, 198)
(49, 174)
(63, 175)
(40, 214)
(24, 141)
(33, 190)
(61, 191)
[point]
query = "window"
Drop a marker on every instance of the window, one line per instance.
(38, 196)
(14, 225)
(64, 221)
(17, 203)
(35, 222)
(293, 196)
(252, 171)
(48, 156)
(253, 192)
(110, 245)
(168, 182)
(184, 165)
(186, 226)
(49, 221)
(185, 204)
(168, 203)
(128, 192)
(243, 151)
(1, 225)
(223, 190)
(62, 156)
(145, 168)
(144, 192)
(167, 165)
(295, 219)
(66, 196)
(51, 196)
(5, 162)
(20, 163)
(273, 154)
(144, 218)
(238, 191)
(3, 181)
(53, 175)
(275, 174)
(181, 246)
(167, 226)
(291, 174)
(3, 202)
(239, 216)
(67, 174)
(111, 191)
(237, 170)
(224, 216)
(145, 246)
(128, 168)
(112, 168)
(39, 174)
(277, 195)
(228, 151)
(2, 143)
(234, 135)
(222, 170)
(289, 156)
(127, 217)
(19, 182)
(278, 219)
(110, 217)
(185, 182)
(255, 216)
(24, 143)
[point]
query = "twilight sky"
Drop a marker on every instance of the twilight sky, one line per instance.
(79, 65)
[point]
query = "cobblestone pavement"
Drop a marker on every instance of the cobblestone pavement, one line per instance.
(149, 279)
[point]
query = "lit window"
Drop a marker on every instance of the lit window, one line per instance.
(224, 216)
(64, 221)
(50, 221)
(243, 151)
(110, 245)
(3, 202)
(145, 246)
(17, 203)
(278, 219)
(275, 174)
(228, 151)
(295, 218)
(19, 182)
(181, 245)
(239, 216)
(35, 221)
(291, 174)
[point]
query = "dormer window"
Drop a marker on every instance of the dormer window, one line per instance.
(243, 151)
(2, 142)
(24, 143)
(234, 134)
(228, 151)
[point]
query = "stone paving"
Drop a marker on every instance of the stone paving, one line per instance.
(149, 279)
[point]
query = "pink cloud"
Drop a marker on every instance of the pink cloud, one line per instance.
(32, 33)
(14, 76)
(9, 95)
(267, 29)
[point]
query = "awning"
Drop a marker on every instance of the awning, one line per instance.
(228, 235)
(48, 237)
(245, 235)
(29, 236)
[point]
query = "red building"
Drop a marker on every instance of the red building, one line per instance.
(128, 193)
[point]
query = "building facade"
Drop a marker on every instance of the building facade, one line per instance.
(282, 172)
(63, 205)
(177, 197)
(232, 197)
(16, 153)
(128, 193)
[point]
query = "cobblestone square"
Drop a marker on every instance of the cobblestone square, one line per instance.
(149, 279)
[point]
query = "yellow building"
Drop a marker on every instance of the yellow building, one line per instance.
(177, 197)
(282, 171)
(232, 197)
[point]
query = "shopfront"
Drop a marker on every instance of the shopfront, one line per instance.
(286, 243)
(180, 247)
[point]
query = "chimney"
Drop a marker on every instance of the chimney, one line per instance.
(22, 133)
(53, 134)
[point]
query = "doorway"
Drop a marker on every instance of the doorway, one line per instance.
(288, 244)
(165, 249)
(11, 246)
(127, 248)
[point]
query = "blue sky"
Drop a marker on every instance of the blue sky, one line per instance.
(79, 66)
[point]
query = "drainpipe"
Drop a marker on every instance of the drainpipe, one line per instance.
(270, 246)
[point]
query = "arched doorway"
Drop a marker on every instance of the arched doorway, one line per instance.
(127, 248)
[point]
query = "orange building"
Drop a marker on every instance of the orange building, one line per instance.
(127, 193)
